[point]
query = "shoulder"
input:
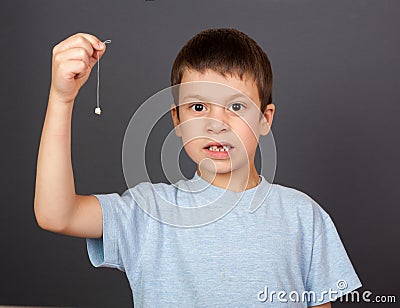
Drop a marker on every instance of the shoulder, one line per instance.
(149, 192)
(149, 187)
(299, 204)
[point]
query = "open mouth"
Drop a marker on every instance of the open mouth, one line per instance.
(218, 147)
(215, 148)
(219, 150)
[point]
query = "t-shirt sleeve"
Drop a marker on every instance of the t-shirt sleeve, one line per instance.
(331, 273)
(124, 232)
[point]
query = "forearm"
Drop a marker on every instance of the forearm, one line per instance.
(55, 189)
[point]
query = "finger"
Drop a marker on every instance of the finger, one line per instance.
(74, 69)
(77, 53)
(95, 42)
(96, 56)
(87, 41)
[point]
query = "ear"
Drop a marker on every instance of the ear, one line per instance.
(266, 119)
(176, 121)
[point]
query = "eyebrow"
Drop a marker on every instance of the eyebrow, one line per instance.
(201, 98)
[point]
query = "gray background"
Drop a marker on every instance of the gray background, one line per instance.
(336, 90)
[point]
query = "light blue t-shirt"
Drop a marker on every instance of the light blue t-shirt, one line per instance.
(289, 246)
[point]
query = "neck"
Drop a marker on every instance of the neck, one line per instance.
(236, 180)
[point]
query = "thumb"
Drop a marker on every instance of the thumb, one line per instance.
(97, 54)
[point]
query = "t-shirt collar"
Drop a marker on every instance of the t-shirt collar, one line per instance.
(252, 197)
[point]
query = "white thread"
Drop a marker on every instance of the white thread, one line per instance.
(97, 109)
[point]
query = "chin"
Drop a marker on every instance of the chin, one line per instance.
(217, 168)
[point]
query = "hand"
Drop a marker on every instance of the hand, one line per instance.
(73, 60)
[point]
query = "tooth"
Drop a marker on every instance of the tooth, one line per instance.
(217, 149)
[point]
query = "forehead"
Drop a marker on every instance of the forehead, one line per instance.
(214, 86)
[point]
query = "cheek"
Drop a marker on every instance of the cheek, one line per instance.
(248, 132)
(248, 140)
(193, 150)
(190, 146)
(191, 129)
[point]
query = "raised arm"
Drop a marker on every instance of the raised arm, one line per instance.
(57, 207)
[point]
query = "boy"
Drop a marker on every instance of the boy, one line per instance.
(287, 251)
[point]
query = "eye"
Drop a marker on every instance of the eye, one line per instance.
(197, 107)
(237, 107)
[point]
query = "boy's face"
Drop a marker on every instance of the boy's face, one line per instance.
(217, 109)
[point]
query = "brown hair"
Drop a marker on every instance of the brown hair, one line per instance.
(225, 51)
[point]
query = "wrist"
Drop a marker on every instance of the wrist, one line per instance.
(56, 98)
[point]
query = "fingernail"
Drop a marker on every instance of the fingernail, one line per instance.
(101, 45)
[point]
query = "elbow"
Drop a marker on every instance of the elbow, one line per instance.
(47, 223)
(38, 217)
(50, 225)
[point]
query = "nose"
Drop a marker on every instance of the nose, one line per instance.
(216, 123)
